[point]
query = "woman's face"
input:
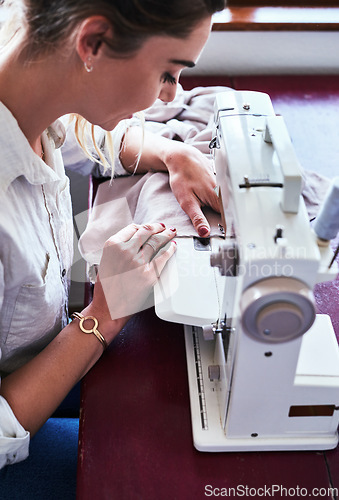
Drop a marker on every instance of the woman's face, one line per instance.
(117, 88)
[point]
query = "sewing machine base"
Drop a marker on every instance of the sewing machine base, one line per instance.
(208, 431)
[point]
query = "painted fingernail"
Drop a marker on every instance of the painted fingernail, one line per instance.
(203, 231)
(163, 225)
(173, 229)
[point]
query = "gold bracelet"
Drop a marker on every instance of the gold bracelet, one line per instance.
(94, 329)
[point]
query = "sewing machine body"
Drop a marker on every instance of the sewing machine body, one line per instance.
(263, 367)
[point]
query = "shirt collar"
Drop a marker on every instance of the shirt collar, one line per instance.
(18, 158)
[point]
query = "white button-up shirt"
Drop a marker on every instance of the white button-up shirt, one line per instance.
(35, 258)
(36, 249)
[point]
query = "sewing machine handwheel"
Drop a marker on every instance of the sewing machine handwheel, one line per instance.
(277, 309)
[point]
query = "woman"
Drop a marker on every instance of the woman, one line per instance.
(103, 61)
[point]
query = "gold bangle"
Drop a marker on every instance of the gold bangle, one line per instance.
(94, 329)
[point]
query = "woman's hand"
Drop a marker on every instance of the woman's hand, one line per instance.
(192, 182)
(130, 266)
(191, 178)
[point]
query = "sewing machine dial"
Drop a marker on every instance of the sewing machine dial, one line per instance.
(277, 309)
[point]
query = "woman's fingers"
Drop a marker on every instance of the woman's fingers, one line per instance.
(137, 234)
(145, 232)
(125, 234)
(192, 206)
(155, 242)
(127, 277)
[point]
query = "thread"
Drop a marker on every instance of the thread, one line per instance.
(326, 225)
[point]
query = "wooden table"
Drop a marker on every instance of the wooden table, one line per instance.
(135, 428)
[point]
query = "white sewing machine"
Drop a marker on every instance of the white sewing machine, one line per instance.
(263, 367)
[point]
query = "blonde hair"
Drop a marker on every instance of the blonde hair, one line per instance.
(83, 130)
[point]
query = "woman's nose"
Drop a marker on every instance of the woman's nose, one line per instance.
(168, 92)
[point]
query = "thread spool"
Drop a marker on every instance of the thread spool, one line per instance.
(326, 225)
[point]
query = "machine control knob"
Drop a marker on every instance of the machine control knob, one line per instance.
(275, 319)
(226, 259)
(277, 309)
(216, 259)
(208, 332)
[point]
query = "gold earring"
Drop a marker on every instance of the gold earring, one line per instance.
(88, 65)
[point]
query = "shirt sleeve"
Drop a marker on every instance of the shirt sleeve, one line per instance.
(14, 440)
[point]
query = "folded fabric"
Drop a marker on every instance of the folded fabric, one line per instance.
(140, 199)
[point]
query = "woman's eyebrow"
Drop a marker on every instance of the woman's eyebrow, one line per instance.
(182, 62)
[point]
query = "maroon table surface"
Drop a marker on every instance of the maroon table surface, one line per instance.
(135, 439)
(135, 433)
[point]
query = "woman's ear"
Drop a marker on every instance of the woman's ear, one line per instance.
(89, 37)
